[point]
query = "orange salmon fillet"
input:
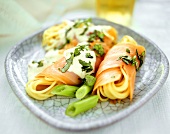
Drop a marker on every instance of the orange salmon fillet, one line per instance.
(110, 69)
(53, 72)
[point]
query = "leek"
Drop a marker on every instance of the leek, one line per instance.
(81, 106)
(83, 91)
(64, 90)
(86, 87)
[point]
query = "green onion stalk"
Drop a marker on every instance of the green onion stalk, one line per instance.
(86, 87)
(81, 106)
(65, 90)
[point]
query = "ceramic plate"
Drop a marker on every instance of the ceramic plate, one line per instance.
(149, 80)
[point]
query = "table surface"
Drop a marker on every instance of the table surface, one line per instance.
(151, 18)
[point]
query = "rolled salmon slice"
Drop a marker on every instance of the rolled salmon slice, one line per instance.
(41, 86)
(117, 72)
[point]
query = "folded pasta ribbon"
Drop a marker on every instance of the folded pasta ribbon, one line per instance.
(117, 72)
(41, 86)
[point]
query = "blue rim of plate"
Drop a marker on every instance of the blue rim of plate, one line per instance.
(95, 124)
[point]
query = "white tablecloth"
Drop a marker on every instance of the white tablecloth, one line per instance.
(151, 18)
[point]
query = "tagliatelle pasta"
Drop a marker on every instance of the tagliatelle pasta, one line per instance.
(65, 38)
(112, 90)
(85, 61)
(117, 72)
(40, 87)
(32, 88)
(51, 35)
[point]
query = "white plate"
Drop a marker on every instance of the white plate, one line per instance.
(149, 80)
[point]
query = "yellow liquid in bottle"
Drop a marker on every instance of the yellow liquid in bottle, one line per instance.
(119, 11)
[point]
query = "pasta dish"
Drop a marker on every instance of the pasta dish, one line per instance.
(87, 62)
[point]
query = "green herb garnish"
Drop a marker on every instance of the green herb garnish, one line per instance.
(68, 63)
(92, 37)
(100, 35)
(125, 59)
(133, 60)
(135, 63)
(34, 62)
(88, 55)
(80, 48)
(99, 49)
(84, 31)
(86, 66)
(129, 60)
(80, 22)
(143, 53)
(95, 35)
(127, 50)
(74, 54)
(40, 63)
(140, 57)
(77, 51)
(87, 21)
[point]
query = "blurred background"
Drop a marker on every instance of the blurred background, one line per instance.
(24, 17)
(21, 18)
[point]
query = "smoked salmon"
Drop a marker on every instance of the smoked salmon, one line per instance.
(64, 37)
(116, 73)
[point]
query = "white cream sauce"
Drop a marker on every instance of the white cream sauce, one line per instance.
(50, 57)
(75, 33)
(53, 55)
(76, 67)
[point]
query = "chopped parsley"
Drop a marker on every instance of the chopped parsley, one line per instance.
(84, 31)
(77, 51)
(69, 62)
(34, 62)
(80, 48)
(86, 66)
(88, 55)
(126, 59)
(74, 54)
(99, 49)
(96, 35)
(86, 22)
(80, 22)
(140, 57)
(127, 50)
(40, 63)
(133, 60)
